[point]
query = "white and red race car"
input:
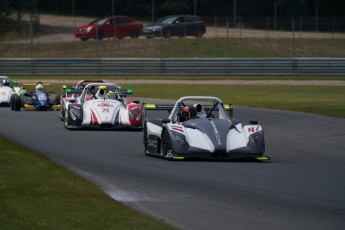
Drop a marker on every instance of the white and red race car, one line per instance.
(72, 93)
(103, 106)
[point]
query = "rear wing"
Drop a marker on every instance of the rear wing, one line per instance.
(126, 91)
(227, 107)
(14, 82)
(34, 84)
(72, 90)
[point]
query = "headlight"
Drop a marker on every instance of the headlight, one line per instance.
(179, 138)
(133, 113)
(254, 138)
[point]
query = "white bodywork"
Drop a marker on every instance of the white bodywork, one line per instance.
(215, 133)
(5, 94)
(104, 111)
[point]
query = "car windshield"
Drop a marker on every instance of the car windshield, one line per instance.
(166, 20)
(98, 21)
(206, 108)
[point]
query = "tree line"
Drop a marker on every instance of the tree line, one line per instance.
(145, 8)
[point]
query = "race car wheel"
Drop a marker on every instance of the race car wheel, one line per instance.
(62, 114)
(166, 147)
(12, 101)
(57, 99)
(145, 139)
(67, 120)
(17, 104)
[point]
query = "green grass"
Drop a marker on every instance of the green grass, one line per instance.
(324, 100)
(38, 194)
(177, 48)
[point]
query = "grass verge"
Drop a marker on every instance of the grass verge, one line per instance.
(176, 48)
(325, 100)
(38, 194)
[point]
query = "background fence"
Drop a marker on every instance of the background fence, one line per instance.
(172, 66)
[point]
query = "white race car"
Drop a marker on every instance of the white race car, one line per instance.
(200, 127)
(8, 88)
(103, 106)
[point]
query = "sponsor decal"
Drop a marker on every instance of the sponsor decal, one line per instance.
(138, 117)
(176, 128)
(76, 107)
(216, 132)
(105, 110)
(253, 129)
(152, 143)
(104, 104)
(72, 116)
(42, 97)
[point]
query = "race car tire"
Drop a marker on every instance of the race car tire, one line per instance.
(12, 101)
(62, 114)
(17, 104)
(145, 139)
(166, 145)
(68, 121)
(57, 99)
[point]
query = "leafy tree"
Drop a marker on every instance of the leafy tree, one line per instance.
(23, 6)
(5, 8)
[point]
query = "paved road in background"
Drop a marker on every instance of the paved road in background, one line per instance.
(302, 187)
(61, 29)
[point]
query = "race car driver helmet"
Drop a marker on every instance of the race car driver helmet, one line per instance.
(188, 112)
(6, 82)
(112, 95)
(39, 88)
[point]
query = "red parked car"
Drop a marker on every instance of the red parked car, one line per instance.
(115, 26)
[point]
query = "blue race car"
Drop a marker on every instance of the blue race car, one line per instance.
(38, 100)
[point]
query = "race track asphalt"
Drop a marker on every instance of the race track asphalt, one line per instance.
(303, 187)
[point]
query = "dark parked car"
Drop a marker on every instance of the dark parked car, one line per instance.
(115, 26)
(176, 25)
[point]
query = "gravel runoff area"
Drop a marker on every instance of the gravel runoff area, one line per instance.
(61, 28)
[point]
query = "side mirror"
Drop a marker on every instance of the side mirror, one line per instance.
(231, 113)
(165, 121)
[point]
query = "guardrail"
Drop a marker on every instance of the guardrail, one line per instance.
(171, 66)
